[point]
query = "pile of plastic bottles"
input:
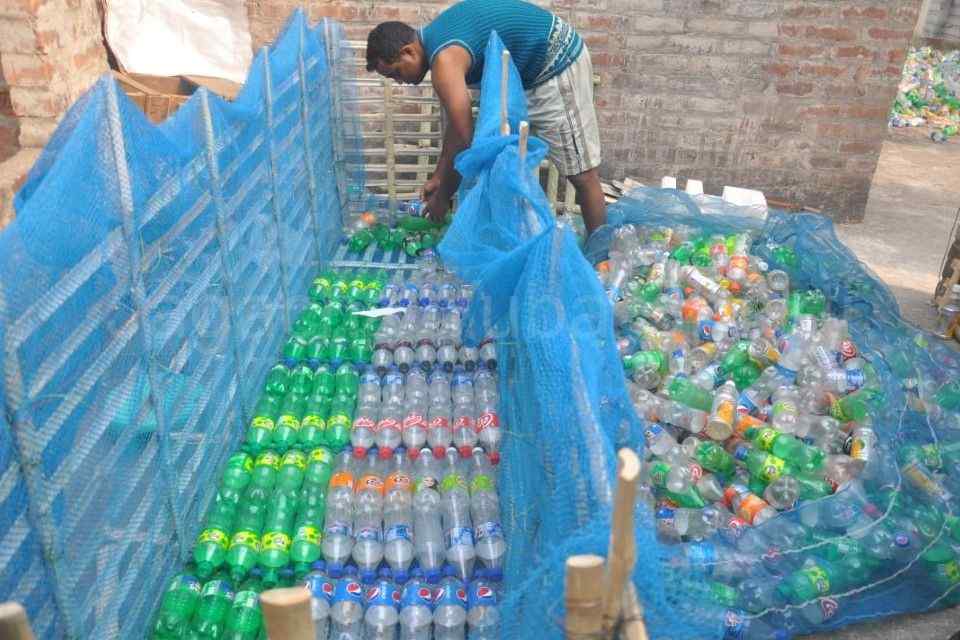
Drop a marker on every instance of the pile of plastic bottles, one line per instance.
(929, 92)
(407, 229)
(757, 405)
(367, 474)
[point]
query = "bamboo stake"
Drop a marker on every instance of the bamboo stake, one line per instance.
(286, 614)
(582, 597)
(633, 627)
(623, 553)
(504, 82)
(14, 624)
(524, 139)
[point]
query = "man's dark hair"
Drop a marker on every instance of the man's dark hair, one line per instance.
(386, 40)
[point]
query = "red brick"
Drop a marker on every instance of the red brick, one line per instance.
(807, 11)
(896, 56)
(800, 51)
(869, 13)
(794, 88)
(779, 69)
(404, 13)
(857, 51)
(822, 70)
(604, 59)
(878, 33)
(89, 57)
(831, 161)
(859, 148)
(791, 30)
(838, 34)
(26, 70)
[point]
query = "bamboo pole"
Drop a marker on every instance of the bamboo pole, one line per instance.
(633, 627)
(582, 597)
(14, 624)
(524, 140)
(286, 614)
(622, 553)
(504, 82)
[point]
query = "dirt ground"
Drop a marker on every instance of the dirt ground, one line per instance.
(912, 207)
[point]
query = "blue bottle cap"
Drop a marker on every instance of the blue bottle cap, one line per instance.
(449, 571)
(432, 575)
(416, 572)
(367, 576)
(286, 572)
(495, 575)
(400, 576)
(319, 565)
(384, 572)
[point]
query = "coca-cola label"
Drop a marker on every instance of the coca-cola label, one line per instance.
(463, 422)
(388, 423)
(414, 420)
(488, 420)
(439, 422)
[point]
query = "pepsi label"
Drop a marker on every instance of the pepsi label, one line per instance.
(450, 594)
(384, 593)
(481, 595)
(416, 594)
(348, 589)
(488, 530)
(338, 528)
(372, 534)
(321, 586)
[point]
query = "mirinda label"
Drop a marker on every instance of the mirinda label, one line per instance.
(370, 482)
(398, 481)
(750, 505)
(341, 479)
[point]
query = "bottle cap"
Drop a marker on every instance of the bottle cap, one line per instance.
(466, 451)
(385, 572)
(385, 453)
(359, 452)
(439, 452)
(495, 458)
(414, 453)
(448, 571)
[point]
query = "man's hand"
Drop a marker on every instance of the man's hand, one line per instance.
(430, 188)
(437, 206)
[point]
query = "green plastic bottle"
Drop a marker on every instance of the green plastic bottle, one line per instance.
(260, 432)
(276, 539)
(236, 476)
(738, 355)
(179, 603)
(324, 381)
(338, 424)
(318, 351)
(361, 348)
(320, 289)
(347, 380)
(814, 303)
(210, 550)
(319, 468)
(244, 550)
(339, 345)
(301, 380)
(685, 392)
(292, 468)
(787, 447)
(712, 457)
(287, 431)
(264, 477)
(658, 472)
(785, 256)
(330, 317)
(940, 564)
(278, 380)
(245, 619)
(305, 547)
(360, 240)
(745, 375)
(761, 464)
(313, 426)
(294, 351)
(216, 598)
(817, 578)
(813, 486)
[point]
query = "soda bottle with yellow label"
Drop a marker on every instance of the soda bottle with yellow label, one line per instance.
(287, 431)
(260, 432)
(313, 425)
(276, 539)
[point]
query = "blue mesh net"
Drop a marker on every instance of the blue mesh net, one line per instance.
(149, 277)
(152, 273)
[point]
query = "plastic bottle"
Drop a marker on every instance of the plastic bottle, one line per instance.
(450, 607)
(685, 392)
(398, 517)
(722, 411)
(276, 539)
(260, 432)
(179, 603)
(244, 621)
(439, 428)
(381, 602)
(337, 542)
(427, 507)
(313, 426)
(338, 424)
(457, 525)
(414, 430)
(483, 616)
(368, 517)
(364, 428)
(464, 428)
(216, 598)
(749, 506)
(321, 589)
(346, 614)
(490, 545)
(388, 435)
(416, 604)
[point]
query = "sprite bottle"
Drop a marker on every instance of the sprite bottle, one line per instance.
(301, 380)
(305, 548)
(314, 423)
(338, 424)
(264, 477)
(237, 474)
(318, 351)
(339, 345)
(287, 431)
(320, 289)
(177, 608)
(319, 468)
(292, 467)
(245, 618)
(260, 432)
(294, 351)
(275, 542)
(210, 550)
(347, 381)
(216, 598)
(324, 381)
(278, 380)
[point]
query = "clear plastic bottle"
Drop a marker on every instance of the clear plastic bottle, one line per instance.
(389, 434)
(346, 614)
(337, 541)
(427, 509)
(450, 612)
(483, 616)
(414, 430)
(457, 525)
(416, 608)
(490, 545)
(381, 613)
(398, 522)
(368, 518)
(322, 589)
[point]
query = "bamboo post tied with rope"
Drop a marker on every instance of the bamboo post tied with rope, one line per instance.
(14, 624)
(286, 613)
(600, 598)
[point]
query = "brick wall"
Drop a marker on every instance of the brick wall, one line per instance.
(786, 96)
(51, 51)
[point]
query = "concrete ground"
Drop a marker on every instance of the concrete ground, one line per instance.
(912, 207)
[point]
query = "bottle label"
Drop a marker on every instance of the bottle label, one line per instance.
(321, 455)
(247, 600)
(341, 479)
(414, 420)
(481, 482)
(784, 406)
(369, 534)
(295, 458)
(217, 588)
(488, 420)
(724, 412)
(848, 350)
(289, 421)
(383, 593)
(464, 422)
(348, 589)
(745, 404)
(338, 528)
(262, 422)
(321, 586)
(772, 468)
(451, 593)
(184, 582)
(276, 541)
(855, 379)
(363, 422)
(440, 422)
(659, 471)
(398, 481)
(242, 461)
(308, 533)
(652, 432)
(313, 421)
(457, 536)
(416, 594)
(766, 437)
(268, 459)
(388, 423)
(488, 530)
(453, 481)
(216, 536)
(427, 482)
(398, 532)
(481, 595)
(340, 420)
(370, 483)
(246, 539)
(818, 578)
(750, 506)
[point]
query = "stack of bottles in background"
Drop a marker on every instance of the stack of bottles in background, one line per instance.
(404, 227)
(367, 473)
(757, 404)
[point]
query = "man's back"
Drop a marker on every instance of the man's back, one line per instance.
(542, 45)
